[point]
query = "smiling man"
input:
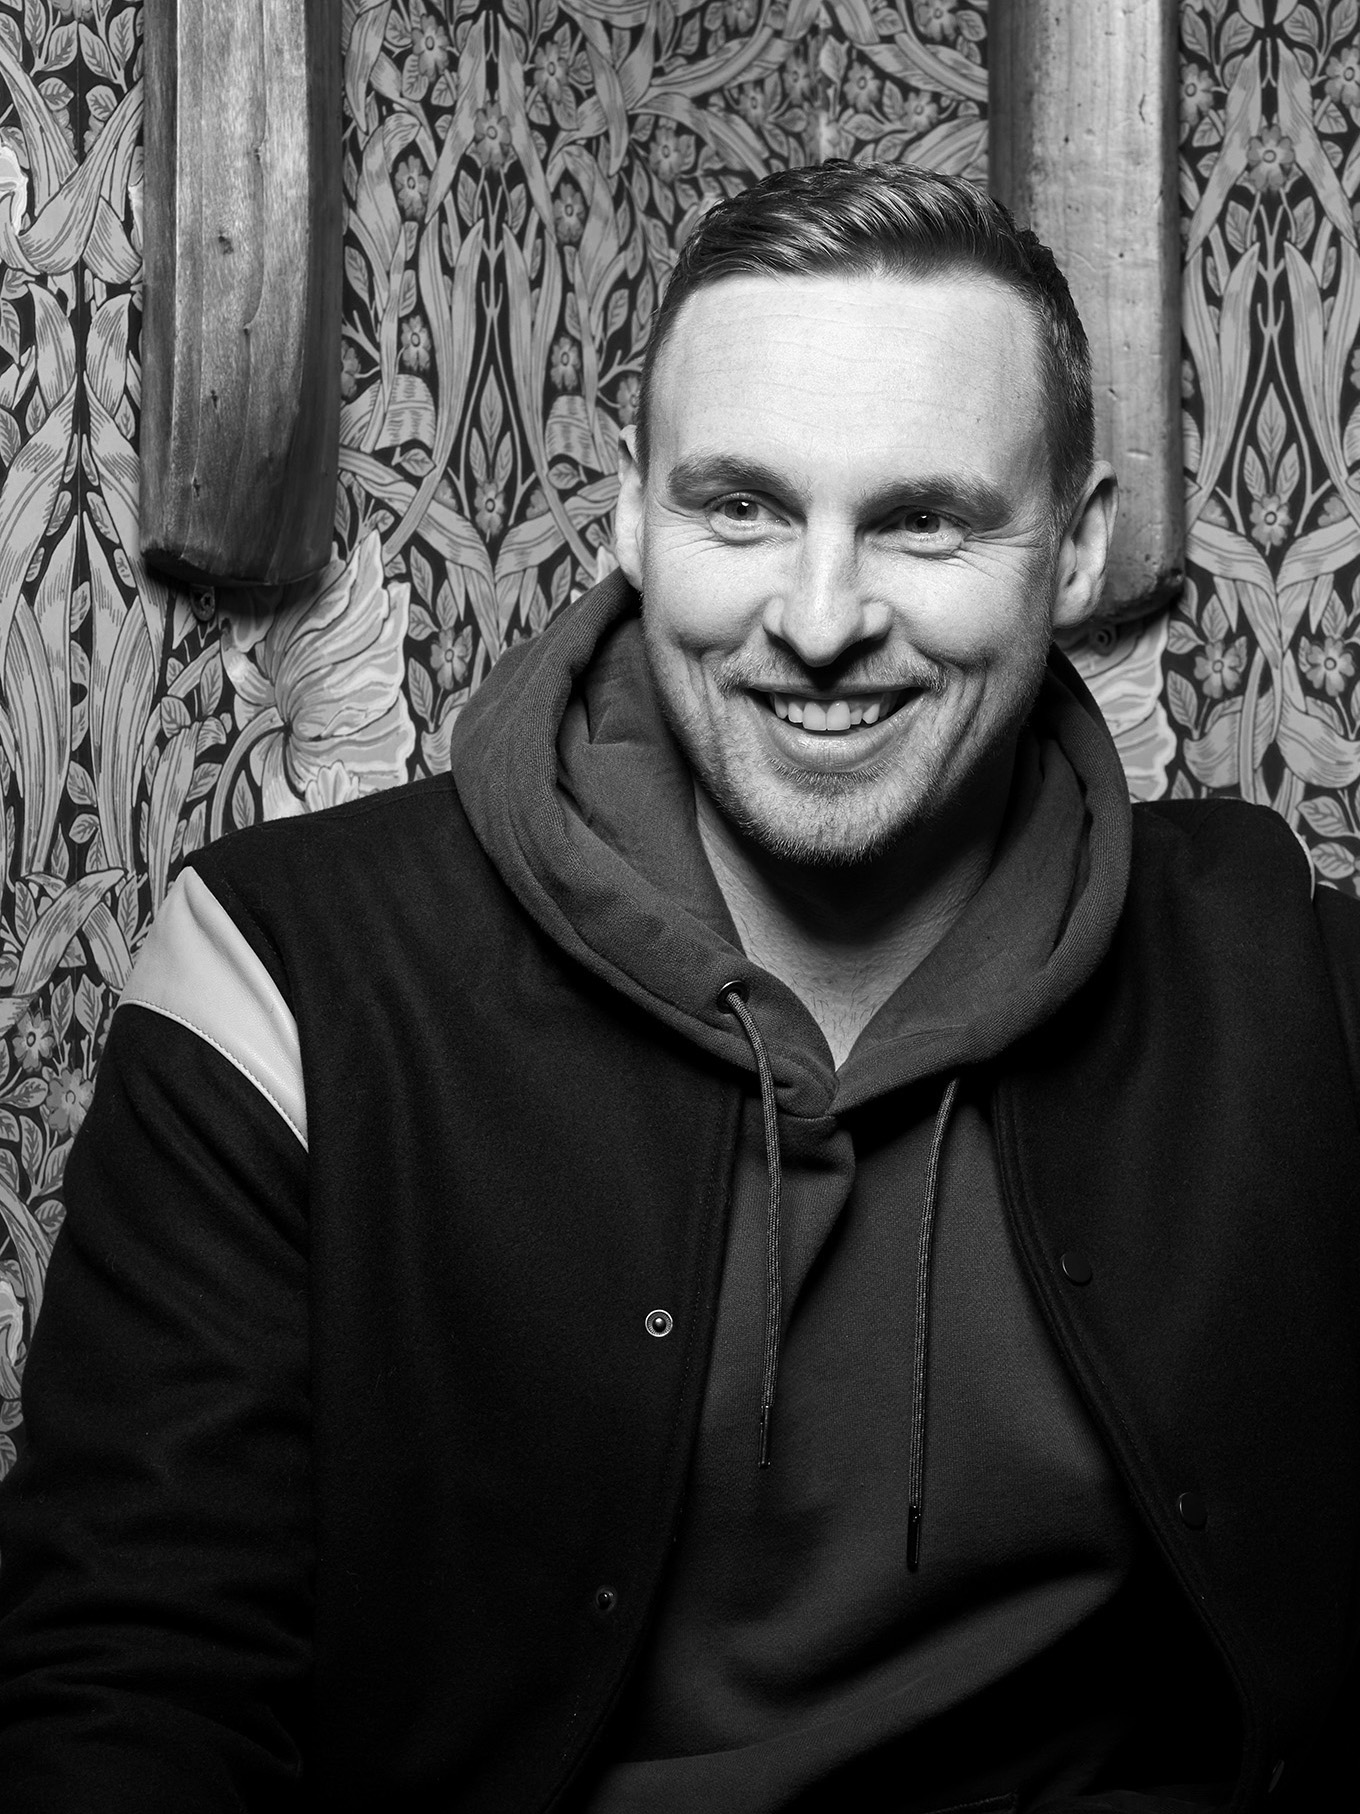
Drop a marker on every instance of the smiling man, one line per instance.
(768, 1245)
(854, 547)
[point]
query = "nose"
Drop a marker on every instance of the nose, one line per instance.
(824, 606)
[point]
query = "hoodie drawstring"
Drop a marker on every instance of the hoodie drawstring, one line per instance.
(730, 998)
(916, 1470)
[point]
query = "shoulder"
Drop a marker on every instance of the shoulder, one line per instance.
(1233, 875)
(263, 925)
(351, 868)
(422, 815)
(1221, 849)
(1218, 825)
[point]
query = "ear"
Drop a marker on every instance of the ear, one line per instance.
(1085, 550)
(629, 511)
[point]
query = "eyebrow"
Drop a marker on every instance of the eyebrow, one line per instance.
(696, 477)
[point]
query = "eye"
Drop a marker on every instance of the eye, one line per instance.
(741, 515)
(929, 531)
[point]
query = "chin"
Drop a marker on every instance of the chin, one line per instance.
(827, 825)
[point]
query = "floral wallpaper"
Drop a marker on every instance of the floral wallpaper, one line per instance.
(518, 176)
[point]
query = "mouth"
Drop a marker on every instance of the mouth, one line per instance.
(834, 717)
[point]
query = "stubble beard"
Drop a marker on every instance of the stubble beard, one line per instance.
(815, 820)
(818, 820)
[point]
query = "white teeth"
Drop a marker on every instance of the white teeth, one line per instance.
(838, 715)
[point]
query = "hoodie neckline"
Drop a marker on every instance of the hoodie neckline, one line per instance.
(667, 944)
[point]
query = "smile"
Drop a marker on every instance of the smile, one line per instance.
(833, 716)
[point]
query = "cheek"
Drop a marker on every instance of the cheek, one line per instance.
(699, 605)
(971, 621)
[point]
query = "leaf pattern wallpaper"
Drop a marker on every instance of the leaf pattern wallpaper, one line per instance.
(518, 177)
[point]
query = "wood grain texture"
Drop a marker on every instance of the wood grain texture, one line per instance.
(241, 338)
(1083, 119)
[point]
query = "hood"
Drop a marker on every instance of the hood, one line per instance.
(566, 770)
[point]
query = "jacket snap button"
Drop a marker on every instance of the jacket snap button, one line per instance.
(605, 1600)
(1076, 1268)
(1194, 1513)
(659, 1322)
(1275, 1776)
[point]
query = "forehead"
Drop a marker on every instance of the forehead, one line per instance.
(852, 372)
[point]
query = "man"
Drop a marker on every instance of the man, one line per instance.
(768, 1245)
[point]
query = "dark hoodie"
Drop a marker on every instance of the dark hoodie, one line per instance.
(796, 1655)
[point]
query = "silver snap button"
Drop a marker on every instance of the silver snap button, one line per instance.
(659, 1322)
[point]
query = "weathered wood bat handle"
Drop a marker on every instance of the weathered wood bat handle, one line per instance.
(241, 332)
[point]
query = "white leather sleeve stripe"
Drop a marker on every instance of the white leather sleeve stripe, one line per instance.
(197, 968)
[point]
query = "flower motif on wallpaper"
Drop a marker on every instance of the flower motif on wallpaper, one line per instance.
(799, 82)
(1270, 160)
(69, 1096)
(1269, 519)
(552, 65)
(32, 1040)
(491, 142)
(411, 186)
(1343, 78)
(320, 685)
(488, 508)
(1327, 664)
(1220, 665)
(557, 73)
(1271, 475)
(626, 399)
(937, 19)
(569, 215)
(861, 87)
(672, 152)
(415, 344)
(452, 656)
(429, 56)
(1197, 94)
(915, 112)
(564, 366)
(753, 102)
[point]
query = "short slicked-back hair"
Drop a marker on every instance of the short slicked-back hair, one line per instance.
(889, 220)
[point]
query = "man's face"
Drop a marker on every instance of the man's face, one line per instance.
(845, 550)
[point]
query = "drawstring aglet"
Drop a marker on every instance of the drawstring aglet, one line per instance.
(913, 1538)
(764, 1457)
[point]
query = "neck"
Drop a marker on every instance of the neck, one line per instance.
(844, 939)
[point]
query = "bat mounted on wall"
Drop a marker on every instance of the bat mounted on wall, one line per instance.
(241, 335)
(1082, 128)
